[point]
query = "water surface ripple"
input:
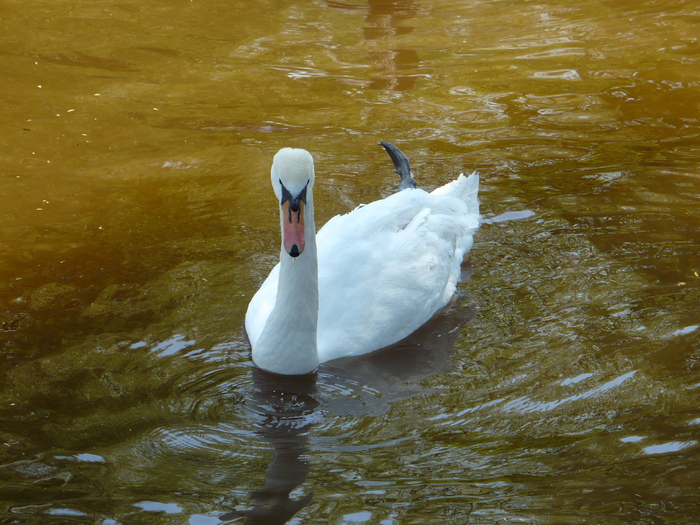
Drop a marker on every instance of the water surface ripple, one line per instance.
(136, 222)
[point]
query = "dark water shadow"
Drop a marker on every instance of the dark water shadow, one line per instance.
(394, 373)
(285, 408)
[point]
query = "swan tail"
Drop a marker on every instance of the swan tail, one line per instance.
(465, 189)
(401, 165)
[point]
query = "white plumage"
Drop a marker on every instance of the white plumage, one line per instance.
(372, 277)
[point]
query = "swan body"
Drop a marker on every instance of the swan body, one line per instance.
(367, 280)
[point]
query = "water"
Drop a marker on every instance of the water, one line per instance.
(136, 222)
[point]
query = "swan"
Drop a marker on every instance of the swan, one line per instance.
(368, 279)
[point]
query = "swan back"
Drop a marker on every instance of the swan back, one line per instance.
(386, 268)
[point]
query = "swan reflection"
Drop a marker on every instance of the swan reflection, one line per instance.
(283, 409)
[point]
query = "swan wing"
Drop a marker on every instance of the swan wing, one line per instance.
(386, 268)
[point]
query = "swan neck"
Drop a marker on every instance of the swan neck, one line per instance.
(288, 343)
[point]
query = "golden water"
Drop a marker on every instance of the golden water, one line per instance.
(136, 221)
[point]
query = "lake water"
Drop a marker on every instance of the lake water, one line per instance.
(136, 222)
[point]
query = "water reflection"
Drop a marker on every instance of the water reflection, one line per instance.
(387, 18)
(284, 411)
(285, 408)
(381, 378)
(384, 20)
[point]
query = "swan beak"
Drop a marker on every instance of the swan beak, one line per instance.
(293, 227)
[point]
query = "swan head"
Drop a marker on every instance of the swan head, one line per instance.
(292, 177)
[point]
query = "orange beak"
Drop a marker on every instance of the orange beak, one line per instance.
(293, 229)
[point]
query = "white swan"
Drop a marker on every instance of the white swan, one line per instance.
(368, 279)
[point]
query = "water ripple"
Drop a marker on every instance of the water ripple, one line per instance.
(527, 405)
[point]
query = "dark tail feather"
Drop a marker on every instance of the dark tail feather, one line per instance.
(403, 167)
